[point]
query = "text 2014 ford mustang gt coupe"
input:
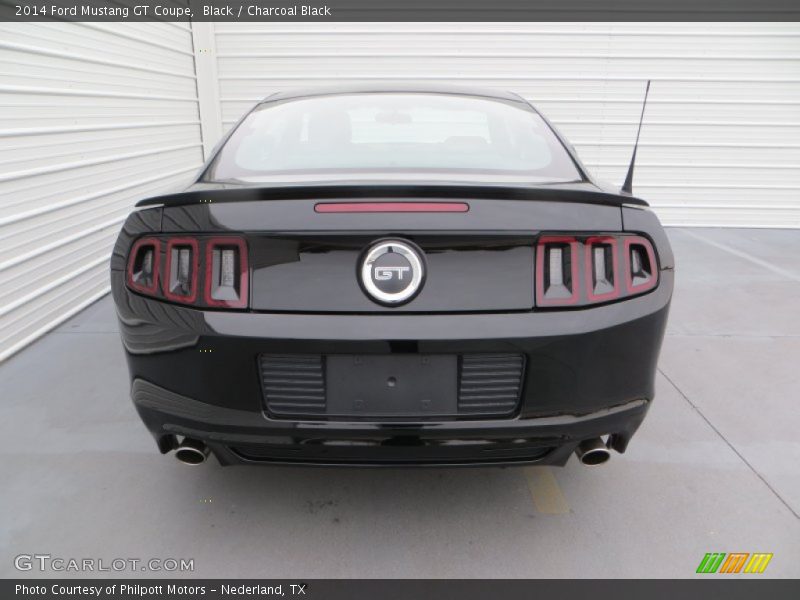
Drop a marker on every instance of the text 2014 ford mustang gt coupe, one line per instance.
(404, 276)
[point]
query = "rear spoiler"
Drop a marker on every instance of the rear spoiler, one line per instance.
(590, 195)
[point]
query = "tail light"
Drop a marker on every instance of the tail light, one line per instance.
(181, 273)
(143, 266)
(572, 271)
(557, 266)
(226, 273)
(640, 265)
(175, 274)
(602, 269)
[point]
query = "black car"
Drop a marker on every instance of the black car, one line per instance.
(393, 276)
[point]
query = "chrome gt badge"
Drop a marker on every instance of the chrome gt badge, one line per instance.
(392, 272)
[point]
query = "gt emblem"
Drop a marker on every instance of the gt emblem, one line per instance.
(392, 272)
(386, 273)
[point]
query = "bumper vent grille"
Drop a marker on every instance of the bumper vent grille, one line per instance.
(293, 384)
(489, 383)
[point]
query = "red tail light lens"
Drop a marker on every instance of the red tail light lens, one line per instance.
(226, 273)
(640, 260)
(143, 263)
(602, 268)
(557, 268)
(580, 271)
(181, 273)
(175, 274)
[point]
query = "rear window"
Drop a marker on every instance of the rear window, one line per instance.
(379, 132)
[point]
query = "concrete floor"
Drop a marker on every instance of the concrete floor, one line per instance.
(714, 468)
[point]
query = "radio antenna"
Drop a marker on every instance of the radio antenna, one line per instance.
(627, 187)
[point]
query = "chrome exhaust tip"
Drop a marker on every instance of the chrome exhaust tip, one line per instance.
(592, 452)
(192, 452)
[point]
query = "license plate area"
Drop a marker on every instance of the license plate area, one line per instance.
(397, 385)
(424, 387)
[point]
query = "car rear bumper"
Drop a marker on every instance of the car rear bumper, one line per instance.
(235, 437)
(589, 373)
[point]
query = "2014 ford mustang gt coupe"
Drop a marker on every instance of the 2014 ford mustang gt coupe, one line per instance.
(406, 276)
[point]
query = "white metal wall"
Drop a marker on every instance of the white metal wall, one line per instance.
(721, 143)
(92, 118)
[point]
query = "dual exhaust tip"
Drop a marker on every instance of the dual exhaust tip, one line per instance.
(590, 452)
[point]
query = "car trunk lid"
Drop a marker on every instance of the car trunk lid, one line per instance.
(478, 253)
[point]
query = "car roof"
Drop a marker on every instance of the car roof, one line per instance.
(397, 88)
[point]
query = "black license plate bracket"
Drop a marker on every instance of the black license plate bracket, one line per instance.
(396, 385)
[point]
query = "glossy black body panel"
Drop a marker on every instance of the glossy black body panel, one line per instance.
(236, 437)
(464, 274)
(480, 260)
(578, 360)
(581, 364)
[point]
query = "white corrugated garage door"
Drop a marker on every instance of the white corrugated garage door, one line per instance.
(92, 118)
(721, 144)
